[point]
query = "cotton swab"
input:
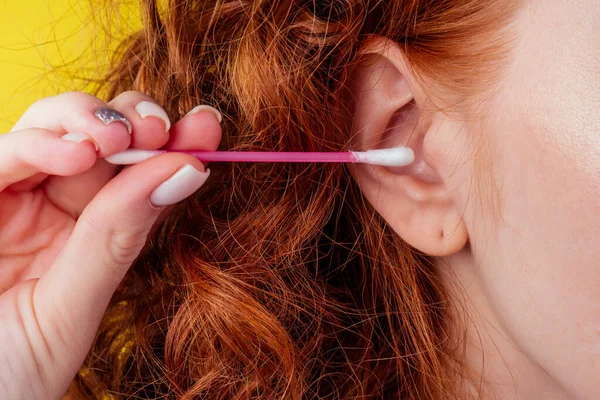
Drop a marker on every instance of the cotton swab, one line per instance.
(391, 157)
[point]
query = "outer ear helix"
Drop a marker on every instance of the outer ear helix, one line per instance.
(388, 109)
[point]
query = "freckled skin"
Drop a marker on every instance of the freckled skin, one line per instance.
(535, 273)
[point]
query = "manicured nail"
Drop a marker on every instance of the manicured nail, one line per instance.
(150, 109)
(109, 115)
(79, 137)
(207, 108)
(180, 185)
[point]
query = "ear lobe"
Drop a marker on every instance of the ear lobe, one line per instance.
(414, 200)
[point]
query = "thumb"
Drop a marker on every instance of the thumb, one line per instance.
(71, 297)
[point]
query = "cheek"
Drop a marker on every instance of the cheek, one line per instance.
(542, 261)
(550, 213)
(541, 257)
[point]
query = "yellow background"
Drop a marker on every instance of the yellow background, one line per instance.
(37, 36)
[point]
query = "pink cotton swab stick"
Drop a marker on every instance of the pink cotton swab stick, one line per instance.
(390, 157)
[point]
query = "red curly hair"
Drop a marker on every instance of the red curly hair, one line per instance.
(281, 281)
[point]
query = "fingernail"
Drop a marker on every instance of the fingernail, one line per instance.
(150, 109)
(79, 137)
(207, 108)
(109, 115)
(180, 185)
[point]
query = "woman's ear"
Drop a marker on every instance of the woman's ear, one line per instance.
(390, 110)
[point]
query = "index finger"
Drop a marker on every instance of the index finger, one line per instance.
(79, 112)
(200, 129)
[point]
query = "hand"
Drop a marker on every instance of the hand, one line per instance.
(70, 227)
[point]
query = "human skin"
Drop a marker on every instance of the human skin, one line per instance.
(537, 275)
(506, 196)
(70, 226)
(529, 275)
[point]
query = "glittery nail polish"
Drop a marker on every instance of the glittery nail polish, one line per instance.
(109, 115)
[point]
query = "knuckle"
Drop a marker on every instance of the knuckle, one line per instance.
(77, 98)
(130, 96)
(124, 247)
(120, 245)
(29, 141)
(40, 104)
(92, 222)
(132, 93)
(36, 113)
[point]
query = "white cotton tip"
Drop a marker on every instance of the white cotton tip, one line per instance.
(131, 156)
(391, 157)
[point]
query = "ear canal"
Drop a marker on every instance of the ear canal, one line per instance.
(391, 157)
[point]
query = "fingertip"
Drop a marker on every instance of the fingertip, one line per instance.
(150, 122)
(111, 134)
(179, 186)
(148, 174)
(79, 137)
(108, 115)
(171, 160)
(207, 108)
(74, 156)
(149, 135)
(196, 131)
(147, 109)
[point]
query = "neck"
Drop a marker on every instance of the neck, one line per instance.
(497, 367)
